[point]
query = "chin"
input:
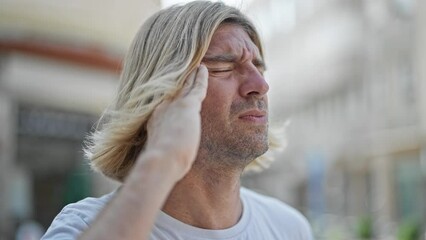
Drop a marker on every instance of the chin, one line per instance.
(260, 150)
(255, 147)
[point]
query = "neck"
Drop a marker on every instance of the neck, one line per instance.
(206, 198)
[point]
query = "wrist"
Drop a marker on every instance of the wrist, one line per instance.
(157, 164)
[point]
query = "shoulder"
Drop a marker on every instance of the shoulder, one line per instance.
(267, 203)
(87, 208)
(277, 214)
(76, 217)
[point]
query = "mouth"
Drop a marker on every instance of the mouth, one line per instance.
(255, 116)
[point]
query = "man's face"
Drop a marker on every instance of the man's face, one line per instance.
(235, 111)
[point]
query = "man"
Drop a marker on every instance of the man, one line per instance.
(190, 115)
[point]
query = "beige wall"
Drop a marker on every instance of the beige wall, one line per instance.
(107, 23)
(420, 60)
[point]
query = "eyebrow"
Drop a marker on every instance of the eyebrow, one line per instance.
(220, 58)
(228, 58)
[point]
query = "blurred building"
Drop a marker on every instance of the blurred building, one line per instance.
(59, 66)
(349, 75)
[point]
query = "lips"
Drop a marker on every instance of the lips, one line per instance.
(254, 116)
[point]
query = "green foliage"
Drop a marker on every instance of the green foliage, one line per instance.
(409, 230)
(364, 228)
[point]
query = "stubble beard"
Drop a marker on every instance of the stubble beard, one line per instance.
(234, 150)
(233, 146)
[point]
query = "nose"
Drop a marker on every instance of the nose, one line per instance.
(253, 84)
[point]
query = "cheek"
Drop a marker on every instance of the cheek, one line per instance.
(210, 107)
(217, 102)
(221, 93)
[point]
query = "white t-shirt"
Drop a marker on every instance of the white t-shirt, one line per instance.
(263, 218)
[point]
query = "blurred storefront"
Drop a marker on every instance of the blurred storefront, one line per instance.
(59, 66)
(49, 103)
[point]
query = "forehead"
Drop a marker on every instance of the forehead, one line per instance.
(232, 38)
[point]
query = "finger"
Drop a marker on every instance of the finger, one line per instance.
(189, 82)
(158, 110)
(199, 89)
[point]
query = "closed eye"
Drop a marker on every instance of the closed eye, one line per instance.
(220, 70)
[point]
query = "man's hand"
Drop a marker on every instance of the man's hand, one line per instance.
(174, 128)
(173, 138)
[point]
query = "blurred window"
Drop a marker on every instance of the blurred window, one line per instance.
(410, 194)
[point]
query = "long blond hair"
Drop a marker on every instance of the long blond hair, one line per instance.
(168, 46)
